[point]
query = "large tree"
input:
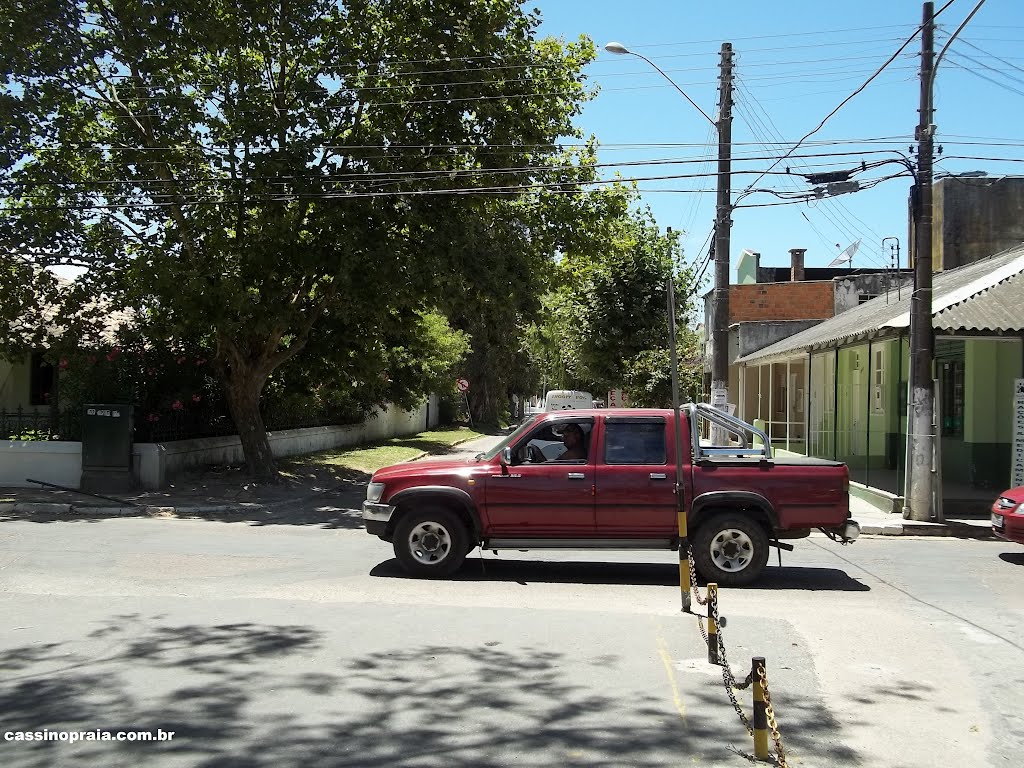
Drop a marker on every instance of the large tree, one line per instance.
(605, 321)
(247, 173)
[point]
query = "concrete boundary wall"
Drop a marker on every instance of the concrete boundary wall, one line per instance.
(56, 461)
(153, 464)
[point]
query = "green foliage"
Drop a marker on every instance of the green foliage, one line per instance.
(29, 435)
(605, 321)
(249, 175)
(155, 379)
(415, 354)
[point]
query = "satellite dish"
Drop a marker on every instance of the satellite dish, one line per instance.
(846, 255)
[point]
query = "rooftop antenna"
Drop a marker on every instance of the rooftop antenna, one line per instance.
(894, 253)
(846, 255)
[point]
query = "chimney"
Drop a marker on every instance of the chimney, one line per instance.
(796, 256)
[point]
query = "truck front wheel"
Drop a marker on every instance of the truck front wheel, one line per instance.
(431, 542)
(730, 549)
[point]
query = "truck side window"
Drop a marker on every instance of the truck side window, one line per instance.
(547, 442)
(635, 441)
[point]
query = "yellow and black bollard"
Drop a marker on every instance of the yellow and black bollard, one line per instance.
(760, 710)
(712, 623)
(684, 561)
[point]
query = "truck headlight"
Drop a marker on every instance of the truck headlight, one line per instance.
(374, 491)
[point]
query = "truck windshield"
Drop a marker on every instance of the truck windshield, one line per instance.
(513, 436)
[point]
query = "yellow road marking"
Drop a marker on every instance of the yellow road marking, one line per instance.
(667, 661)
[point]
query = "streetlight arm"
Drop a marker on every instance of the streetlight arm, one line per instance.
(950, 41)
(619, 49)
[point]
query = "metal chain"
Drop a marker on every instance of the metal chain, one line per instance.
(780, 753)
(693, 578)
(696, 593)
(728, 679)
(700, 626)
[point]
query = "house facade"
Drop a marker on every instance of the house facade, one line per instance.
(850, 379)
(771, 304)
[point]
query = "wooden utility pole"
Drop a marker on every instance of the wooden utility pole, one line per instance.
(723, 224)
(920, 481)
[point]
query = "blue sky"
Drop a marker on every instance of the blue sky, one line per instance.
(796, 60)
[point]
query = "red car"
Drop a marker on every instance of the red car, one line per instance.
(1008, 515)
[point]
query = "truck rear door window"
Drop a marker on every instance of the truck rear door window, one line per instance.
(634, 441)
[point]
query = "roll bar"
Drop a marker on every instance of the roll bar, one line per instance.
(744, 433)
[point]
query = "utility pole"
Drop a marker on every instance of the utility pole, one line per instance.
(920, 481)
(723, 224)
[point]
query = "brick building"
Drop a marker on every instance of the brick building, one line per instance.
(769, 304)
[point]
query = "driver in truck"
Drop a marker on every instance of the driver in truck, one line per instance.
(572, 438)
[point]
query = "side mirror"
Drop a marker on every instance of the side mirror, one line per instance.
(506, 456)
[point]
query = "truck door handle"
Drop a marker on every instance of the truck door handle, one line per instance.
(577, 476)
(658, 476)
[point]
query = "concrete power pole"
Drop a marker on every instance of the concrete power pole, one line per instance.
(723, 223)
(921, 397)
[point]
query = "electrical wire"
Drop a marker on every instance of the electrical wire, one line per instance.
(851, 231)
(987, 53)
(864, 85)
(953, 61)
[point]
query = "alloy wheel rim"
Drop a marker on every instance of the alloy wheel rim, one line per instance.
(430, 542)
(731, 550)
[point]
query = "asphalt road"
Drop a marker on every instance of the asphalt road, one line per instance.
(280, 645)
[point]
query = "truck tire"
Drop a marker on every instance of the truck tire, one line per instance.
(730, 549)
(431, 542)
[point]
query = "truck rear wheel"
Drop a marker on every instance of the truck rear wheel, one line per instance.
(431, 542)
(730, 549)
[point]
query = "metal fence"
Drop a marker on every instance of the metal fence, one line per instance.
(32, 424)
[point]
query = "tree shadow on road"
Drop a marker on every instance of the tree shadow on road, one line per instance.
(241, 694)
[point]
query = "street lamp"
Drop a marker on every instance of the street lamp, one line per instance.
(723, 218)
(619, 49)
(720, 336)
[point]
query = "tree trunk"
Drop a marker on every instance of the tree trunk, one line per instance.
(242, 390)
(485, 403)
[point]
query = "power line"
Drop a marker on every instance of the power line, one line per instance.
(986, 53)
(864, 85)
(992, 80)
(841, 210)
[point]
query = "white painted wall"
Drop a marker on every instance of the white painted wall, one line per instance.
(153, 464)
(50, 461)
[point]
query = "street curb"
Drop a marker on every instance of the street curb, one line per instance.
(955, 530)
(72, 510)
(895, 529)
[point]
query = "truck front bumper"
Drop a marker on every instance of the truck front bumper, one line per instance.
(376, 517)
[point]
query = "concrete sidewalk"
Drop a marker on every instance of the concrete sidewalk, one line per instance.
(873, 513)
(219, 491)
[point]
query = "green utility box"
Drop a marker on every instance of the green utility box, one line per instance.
(107, 447)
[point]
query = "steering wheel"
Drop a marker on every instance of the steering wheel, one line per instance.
(534, 454)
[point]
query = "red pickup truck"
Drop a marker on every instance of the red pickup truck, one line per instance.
(617, 492)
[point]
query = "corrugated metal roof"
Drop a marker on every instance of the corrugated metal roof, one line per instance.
(985, 295)
(998, 308)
